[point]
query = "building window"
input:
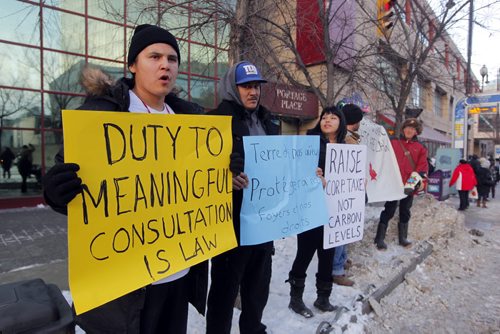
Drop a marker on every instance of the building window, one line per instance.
(387, 78)
(416, 94)
(41, 75)
(438, 103)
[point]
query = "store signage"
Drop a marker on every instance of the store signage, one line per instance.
(289, 101)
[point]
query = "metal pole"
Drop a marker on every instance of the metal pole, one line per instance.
(498, 80)
(468, 78)
(468, 86)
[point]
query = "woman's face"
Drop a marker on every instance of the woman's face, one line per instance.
(329, 124)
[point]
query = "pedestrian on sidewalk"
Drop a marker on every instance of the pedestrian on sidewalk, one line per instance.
(484, 182)
(412, 157)
(332, 129)
(6, 159)
(244, 268)
(161, 307)
(25, 165)
(495, 174)
(353, 116)
(465, 180)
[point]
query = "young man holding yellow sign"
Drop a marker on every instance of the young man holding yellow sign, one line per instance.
(162, 307)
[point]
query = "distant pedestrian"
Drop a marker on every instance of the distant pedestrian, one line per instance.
(25, 165)
(495, 175)
(465, 180)
(484, 182)
(6, 159)
(474, 162)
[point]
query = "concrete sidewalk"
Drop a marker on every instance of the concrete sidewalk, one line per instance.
(33, 244)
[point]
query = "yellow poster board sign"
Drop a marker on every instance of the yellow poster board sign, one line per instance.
(156, 199)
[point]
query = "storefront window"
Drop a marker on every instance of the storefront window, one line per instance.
(202, 29)
(19, 22)
(53, 142)
(222, 63)
(62, 72)
(202, 92)
(202, 60)
(107, 40)
(19, 108)
(54, 104)
(63, 31)
(73, 5)
(21, 174)
(44, 46)
(141, 12)
(25, 61)
(110, 9)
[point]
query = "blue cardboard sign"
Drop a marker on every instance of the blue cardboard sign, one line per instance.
(284, 196)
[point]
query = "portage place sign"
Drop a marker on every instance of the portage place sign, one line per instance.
(289, 101)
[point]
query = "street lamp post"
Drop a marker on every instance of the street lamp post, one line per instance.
(484, 72)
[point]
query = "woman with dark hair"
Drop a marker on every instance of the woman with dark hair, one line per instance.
(332, 129)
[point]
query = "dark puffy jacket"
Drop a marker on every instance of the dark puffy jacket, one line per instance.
(240, 129)
(122, 315)
(484, 181)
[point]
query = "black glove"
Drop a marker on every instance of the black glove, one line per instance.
(237, 163)
(61, 184)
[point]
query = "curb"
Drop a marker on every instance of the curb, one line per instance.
(372, 302)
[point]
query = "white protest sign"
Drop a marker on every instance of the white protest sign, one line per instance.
(383, 178)
(345, 170)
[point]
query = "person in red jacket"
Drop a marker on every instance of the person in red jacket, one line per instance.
(465, 178)
(411, 157)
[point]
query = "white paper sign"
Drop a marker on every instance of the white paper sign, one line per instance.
(345, 170)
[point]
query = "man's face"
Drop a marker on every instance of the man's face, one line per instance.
(409, 132)
(249, 94)
(156, 69)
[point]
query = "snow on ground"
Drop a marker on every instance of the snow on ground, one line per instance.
(435, 222)
(455, 290)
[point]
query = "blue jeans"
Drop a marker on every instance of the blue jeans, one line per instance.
(339, 259)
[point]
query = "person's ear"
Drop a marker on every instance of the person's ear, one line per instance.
(131, 68)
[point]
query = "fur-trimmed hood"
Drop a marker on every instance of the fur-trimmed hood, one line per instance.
(95, 81)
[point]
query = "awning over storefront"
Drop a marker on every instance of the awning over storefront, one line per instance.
(433, 135)
(428, 133)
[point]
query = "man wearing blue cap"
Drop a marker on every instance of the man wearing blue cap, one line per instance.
(247, 268)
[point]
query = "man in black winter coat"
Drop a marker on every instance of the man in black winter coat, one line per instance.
(247, 268)
(161, 307)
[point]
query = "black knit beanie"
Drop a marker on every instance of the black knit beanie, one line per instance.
(145, 35)
(353, 114)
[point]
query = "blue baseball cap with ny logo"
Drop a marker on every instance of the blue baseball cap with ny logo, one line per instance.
(247, 72)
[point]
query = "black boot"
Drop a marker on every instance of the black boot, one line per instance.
(379, 238)
(323, 289)
(403, 234)
(296, 291)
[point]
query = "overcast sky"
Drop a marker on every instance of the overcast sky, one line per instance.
(485, 38)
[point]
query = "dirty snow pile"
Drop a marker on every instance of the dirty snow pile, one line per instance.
(449, 292)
